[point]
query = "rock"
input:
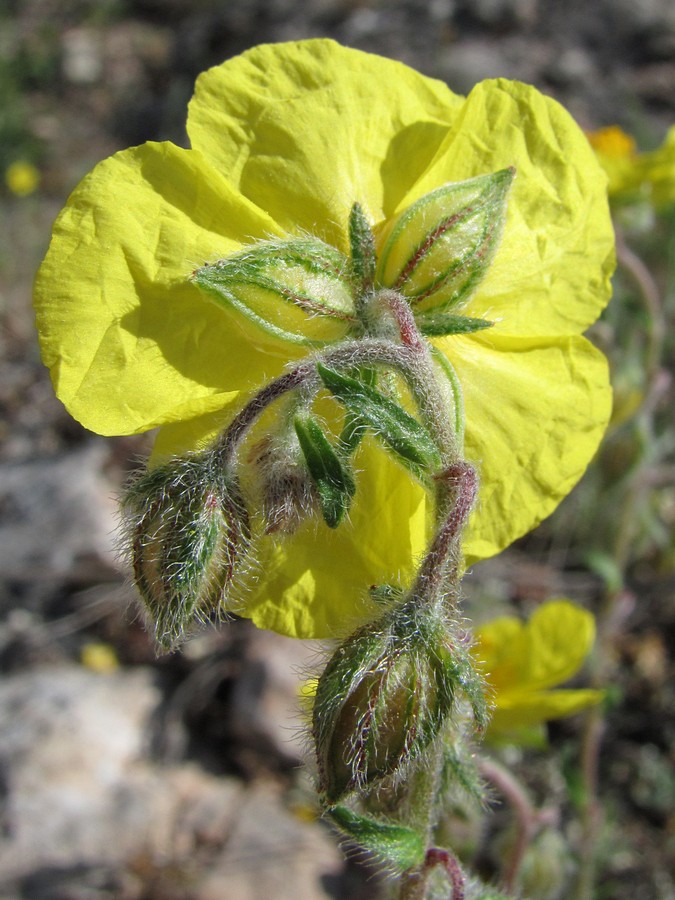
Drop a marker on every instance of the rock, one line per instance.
(88, 814)
(265, 701)
(57, 518)
(71, 740)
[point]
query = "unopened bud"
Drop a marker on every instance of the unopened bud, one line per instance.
(297, 290)
(286, 489)
(189, 532)
(384, 697)
(440, 248)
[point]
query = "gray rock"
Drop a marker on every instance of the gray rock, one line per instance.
(57, 518)
(87, 814)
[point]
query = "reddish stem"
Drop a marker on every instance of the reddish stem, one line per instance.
(438, 857)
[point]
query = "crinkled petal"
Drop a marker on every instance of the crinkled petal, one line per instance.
(307, 129)
(315, 583)
(535, 410)
(551, 274)
(130, 342)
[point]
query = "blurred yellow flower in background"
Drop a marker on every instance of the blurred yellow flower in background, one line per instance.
(523, 660)
(634, 176)
(22, 178)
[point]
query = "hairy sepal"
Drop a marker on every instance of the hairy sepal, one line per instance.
(188, 531)
(299, 290)
(440, 248)
(383, 698)
(398, 846)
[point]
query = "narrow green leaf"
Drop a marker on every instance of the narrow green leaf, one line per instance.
(396, 428)
(354, 427)
(362, 244)
(400, 846)
(332, 478)
(437, 324)
(452, 381)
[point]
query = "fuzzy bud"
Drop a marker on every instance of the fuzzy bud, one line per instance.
(384, 697)
(189, 532)
(287, 493)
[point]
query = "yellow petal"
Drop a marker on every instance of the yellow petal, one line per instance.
(560, 637)
(516, 711)
(535, 410)
(315, 583)
(130, 342)
(307, 129)
(500, 646)
(521, 658)
(551, 274)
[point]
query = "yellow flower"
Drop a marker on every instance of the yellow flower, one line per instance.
(285, 139)
(99, 657)
(522, 661)
(22, 178)
(634, 176)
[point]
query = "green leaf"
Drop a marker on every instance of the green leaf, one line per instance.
(396, 428)
(438, 324)
(354, 427)
(297, 290)
(332, 478)
(400, 846)
(439, 249)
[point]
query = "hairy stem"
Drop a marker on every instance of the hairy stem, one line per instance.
(403, 359)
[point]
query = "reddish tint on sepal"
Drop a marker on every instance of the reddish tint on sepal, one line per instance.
(189, 534)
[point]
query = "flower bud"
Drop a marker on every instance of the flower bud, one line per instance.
(438, 250)
(384, 697)
(297, 290)
(286, 489)
(189, 533)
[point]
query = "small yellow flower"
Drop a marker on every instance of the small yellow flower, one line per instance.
(285, 139)
(634, 176)
(22, 178)
(522, 661)
(99, 657)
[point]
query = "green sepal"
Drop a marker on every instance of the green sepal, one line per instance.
(439, 324)
(399, 846)
(297, 290)
(459, 769)
(386, 594)
(439, 249)
(382, 699)
(354, 427)
(188, 534)
(362, 245)
(396, 428)
(330, 473)
(461, 669)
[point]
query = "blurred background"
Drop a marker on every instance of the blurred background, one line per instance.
(125, 775)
